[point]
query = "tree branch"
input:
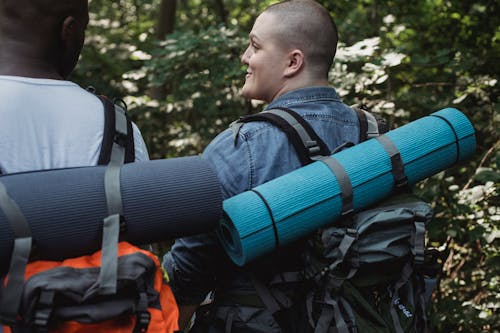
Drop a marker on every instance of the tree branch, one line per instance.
(483, 160)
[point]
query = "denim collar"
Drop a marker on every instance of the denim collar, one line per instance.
(309, 94)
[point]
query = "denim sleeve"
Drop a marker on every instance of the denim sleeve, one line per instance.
(193, 263)
(190, 265)
(232, 161)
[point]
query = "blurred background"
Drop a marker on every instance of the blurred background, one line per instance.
(177, 65)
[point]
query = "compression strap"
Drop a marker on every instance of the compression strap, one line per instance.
(10, 298)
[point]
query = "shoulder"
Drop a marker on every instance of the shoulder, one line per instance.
(141, 150)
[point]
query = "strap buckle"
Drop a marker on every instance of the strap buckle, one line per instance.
(401, 183)
(347, 212)
(120, 139)
(142, 323)
(352, 232)
(44, 310)
(312, 147)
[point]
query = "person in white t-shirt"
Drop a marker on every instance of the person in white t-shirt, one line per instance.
(47, 122)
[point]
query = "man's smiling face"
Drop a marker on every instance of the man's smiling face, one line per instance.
(266, 61)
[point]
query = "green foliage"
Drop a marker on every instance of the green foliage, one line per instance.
(202, 75)
(404, 59)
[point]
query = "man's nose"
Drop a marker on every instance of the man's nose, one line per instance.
(244, 57)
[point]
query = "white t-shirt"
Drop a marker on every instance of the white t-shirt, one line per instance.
(47, 124)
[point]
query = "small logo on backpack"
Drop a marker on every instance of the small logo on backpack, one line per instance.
(406, 312)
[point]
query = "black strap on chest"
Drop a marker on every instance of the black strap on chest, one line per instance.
(308, 145)
(112, 134)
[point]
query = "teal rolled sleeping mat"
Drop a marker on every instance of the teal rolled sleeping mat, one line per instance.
(292, 206)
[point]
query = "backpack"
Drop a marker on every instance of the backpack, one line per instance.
(366, 272)
(120, 288)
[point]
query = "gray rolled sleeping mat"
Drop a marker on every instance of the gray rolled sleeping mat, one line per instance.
(162, 199)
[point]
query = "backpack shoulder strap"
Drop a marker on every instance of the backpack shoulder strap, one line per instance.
(308, 145)
(113, 114)
(370, 125)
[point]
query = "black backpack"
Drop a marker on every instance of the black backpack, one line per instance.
(367, 272)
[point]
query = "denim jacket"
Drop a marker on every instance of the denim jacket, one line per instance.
(198, 264)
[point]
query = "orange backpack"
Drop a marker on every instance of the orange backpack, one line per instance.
(63, 296)
(119, 288)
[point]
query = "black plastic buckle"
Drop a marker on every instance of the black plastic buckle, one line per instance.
(120, 139)
(143, 319)
(347, 212)
(313, 148)
(44, 310)
(401, 183)
(352, 232)
(41, 321)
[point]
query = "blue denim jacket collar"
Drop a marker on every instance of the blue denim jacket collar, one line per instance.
(305, 95)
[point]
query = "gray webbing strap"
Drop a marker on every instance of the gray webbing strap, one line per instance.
(344, 183)
(423, 312)
(286, 277)
(12, 293)
(331, 296)
(307, 141)
(309, 308)
(265, 295)
(345, 244)
(111, 224)
(398, 169)
(405, 276)
(229, 322)
(328, 313)
(350, 313)
(419, 242)
(372, 130)
(324, 320)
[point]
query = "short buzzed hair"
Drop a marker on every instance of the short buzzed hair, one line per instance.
(308, 26)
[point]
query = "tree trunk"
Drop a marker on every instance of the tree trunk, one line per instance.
(221, 10)
(166, 18)
(165, 26)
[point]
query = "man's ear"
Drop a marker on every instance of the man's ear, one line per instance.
(295, 62)
(68, 28)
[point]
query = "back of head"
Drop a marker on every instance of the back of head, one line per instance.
(308, 26)
(37, 16)
(34, 27)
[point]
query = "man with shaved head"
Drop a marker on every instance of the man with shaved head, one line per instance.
(291, 49)
(47, 121)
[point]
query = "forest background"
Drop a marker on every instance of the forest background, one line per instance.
(177, 65)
